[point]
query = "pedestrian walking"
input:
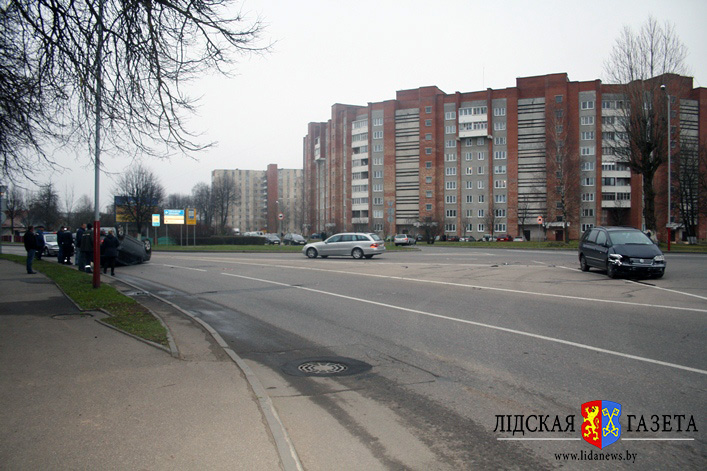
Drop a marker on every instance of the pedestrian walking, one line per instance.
(87, 249)
(109, 249)
(78, 258)
(30, 240)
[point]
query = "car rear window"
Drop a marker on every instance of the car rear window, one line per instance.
(375, 237)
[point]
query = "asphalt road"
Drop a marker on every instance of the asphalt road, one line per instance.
(456, 338)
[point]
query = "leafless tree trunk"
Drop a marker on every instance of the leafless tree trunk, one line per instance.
(640, 63)
(224, 195)
(563, 179)
(203, 202)
(691, 185)
(142, 194)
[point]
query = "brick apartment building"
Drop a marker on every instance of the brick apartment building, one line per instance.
(486, 162)
(262, 196)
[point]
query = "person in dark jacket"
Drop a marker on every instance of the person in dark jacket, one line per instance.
(30, 240)
(66, 246)
(86, 248)
(78, 258)
(40, 242)
(109, 249)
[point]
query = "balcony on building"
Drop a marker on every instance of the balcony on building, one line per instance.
(474, 126)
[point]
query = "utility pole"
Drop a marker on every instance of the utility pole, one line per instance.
(97, 150)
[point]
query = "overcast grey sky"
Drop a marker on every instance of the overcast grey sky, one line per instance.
(330, 52)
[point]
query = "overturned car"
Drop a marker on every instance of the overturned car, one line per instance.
(131, 250)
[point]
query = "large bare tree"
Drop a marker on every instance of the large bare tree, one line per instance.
(141, 194)
(690, 180)
(224, 196)
(15, 207)
(640, 62)
(563, 179)
(44, 208)
(114, 66)
(203, 202)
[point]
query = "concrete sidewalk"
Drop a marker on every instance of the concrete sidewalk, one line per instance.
(75, 394)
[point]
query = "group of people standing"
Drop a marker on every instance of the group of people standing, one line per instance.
(83, 255)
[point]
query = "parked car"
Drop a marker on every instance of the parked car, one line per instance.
(453, 238)
(293, 239)
(354, 244)
(403, 239)
(620, 250)
(518, 239)
(51, 246)
(131, 250)
(467, 239)
(505, 238)
(271, 239)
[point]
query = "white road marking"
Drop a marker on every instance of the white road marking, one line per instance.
(182, 268)
(478, 324)
(462, 285)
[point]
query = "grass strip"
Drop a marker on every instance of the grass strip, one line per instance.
(126, 313)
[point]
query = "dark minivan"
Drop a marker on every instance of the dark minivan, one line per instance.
(620, 250)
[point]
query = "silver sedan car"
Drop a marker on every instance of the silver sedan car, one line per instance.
(348, 244)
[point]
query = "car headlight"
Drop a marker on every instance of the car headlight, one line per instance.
(659, 258)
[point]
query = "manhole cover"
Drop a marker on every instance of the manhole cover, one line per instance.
(65, 317)
(328, 366)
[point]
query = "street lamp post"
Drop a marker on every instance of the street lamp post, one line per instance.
(670, 168)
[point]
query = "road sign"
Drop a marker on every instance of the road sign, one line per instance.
(540, 219)
(191, 217)
(156, 220)
(174, 216)
(281, 216)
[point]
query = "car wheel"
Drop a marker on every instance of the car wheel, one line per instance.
(148, 245)
(611, 270)
(583, 263)
(357, 253)
(312, 252)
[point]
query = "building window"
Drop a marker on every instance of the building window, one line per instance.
(587, 135)
(499, 198)
(499, 169)
(428, 150)
(428, 179)
(428, 137)
(378, 174)
(378, 121)
(588, 212)
(469, 170)
(428, 122)
(450, 115)
(480, 228)
(499, 183)
(500, 213)
(480, 184)
(450, 171)
(450, 227)
(450, 157)
(499, 126)
(588, 181)
(428, 109)
(480, 213)
(480, 170)
(377, 134)
(500, 141)
(586, 227)
(587, 166)
(469, 185)
(377, 147)
(378, 214)
(378, 187)
(588, 105)
(468, 156)
(480, 141)
(558, 98)
(587, 196)
(450, 185)
(469, 199)
(500, 227)
(482, 198)
(586, 150)
(450, 199)
(378, 201)
(499, 111)
(450, 143)
(428, 207)
(428, 194)
(481, 156)
(428, 164)
(450, 129)
(586, 120)
(499, 155)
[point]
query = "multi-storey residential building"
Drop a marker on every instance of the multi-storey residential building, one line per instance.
(538, 160)
(268, 200)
